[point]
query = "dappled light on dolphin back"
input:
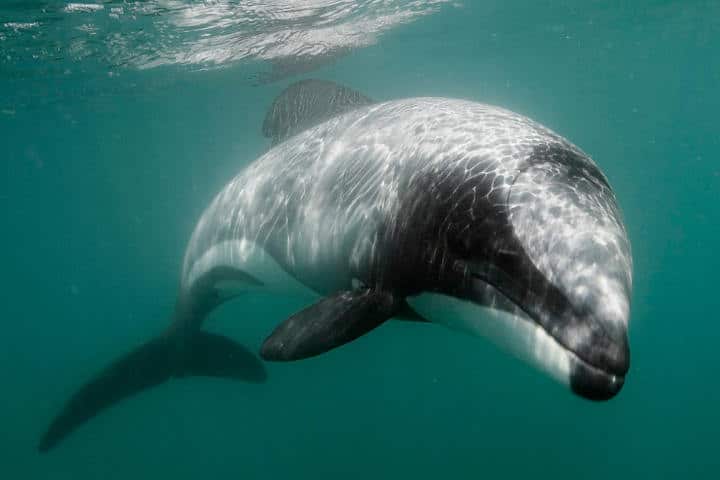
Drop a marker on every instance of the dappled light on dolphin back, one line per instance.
(429, 196)
(429, 209)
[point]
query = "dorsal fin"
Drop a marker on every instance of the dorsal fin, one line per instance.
(307, 103)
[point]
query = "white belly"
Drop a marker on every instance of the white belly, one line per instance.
(515, 333)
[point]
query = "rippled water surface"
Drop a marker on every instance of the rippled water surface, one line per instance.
(119, 122)
(206, 34)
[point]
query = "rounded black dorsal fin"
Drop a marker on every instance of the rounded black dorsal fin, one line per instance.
(307, 103)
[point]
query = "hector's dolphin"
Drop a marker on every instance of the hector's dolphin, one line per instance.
(455, 212)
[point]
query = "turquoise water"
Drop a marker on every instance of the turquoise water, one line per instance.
(111, 153)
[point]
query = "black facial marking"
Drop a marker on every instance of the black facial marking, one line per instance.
(593, 384)
(455, 226)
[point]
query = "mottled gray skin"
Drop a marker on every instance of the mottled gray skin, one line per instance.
(307, 103)
(478, 218)
(444, 196)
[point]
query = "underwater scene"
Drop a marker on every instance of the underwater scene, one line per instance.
(360, 239)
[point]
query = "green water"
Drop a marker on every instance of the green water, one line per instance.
(107, 166)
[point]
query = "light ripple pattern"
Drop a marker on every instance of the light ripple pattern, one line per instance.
(294, 35)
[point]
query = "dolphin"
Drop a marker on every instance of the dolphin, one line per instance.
(433, 209)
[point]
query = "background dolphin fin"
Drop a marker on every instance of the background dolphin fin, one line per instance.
(329, 323)
(307, 103)
(203, 354)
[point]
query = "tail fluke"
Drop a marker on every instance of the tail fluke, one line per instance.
(201, 354)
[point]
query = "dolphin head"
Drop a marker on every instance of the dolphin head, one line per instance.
(574, 260)
(554, 271)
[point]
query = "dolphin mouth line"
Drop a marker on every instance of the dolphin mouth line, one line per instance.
(574, 355)
(589, 366)
(528, 317)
